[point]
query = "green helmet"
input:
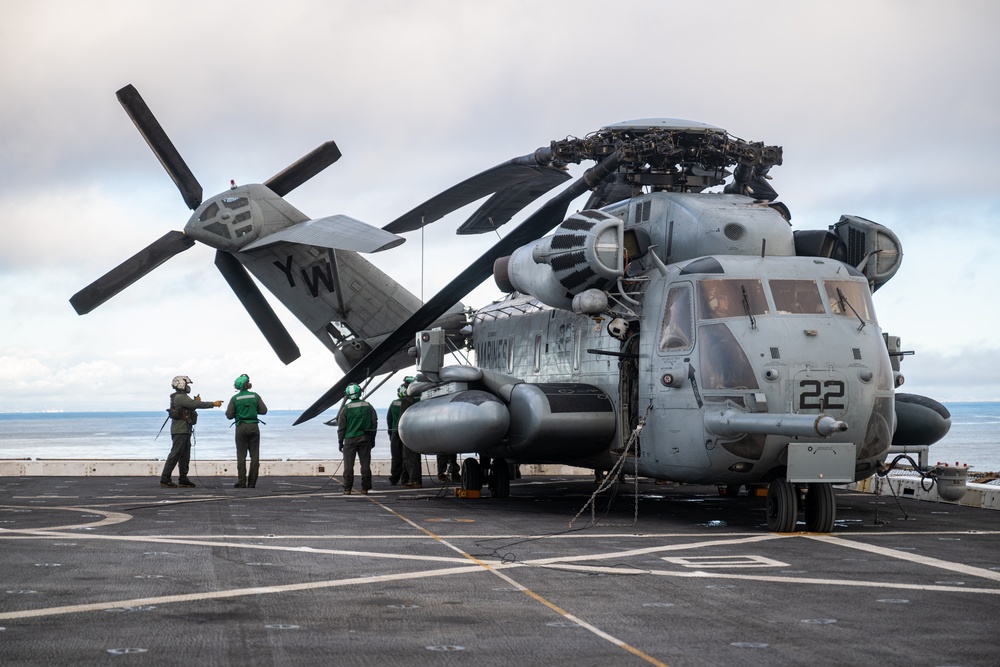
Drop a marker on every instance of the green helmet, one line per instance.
(242, 382)
(353, 392)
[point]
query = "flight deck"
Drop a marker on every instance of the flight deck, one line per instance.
(117, 570)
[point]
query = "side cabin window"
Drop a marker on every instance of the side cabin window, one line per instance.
(796, 296)
(850, 299)
(724, 364)
(678, 326)
(730, 298)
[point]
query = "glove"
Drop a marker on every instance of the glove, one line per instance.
(340, 445)
(218, 404)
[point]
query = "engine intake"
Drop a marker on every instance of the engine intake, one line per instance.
(586, 252)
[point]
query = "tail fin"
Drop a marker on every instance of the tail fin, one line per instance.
(348, 303)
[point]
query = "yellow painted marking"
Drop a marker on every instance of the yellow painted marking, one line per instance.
(530, 593)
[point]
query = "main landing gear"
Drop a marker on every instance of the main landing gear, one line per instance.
(494, 472)
(817, 501)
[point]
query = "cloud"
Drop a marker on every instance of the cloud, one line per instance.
(884, 110)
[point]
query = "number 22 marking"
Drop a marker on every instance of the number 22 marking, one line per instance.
(813, 396)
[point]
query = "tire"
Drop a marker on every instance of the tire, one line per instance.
(782, 506)
(500, 479)
(821, 508)
(472, 475)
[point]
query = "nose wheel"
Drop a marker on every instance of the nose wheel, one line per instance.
(782, 506)
(819, 506)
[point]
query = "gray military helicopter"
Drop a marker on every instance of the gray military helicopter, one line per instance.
(692, 334)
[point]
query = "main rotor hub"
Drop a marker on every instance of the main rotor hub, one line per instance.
(669, 154)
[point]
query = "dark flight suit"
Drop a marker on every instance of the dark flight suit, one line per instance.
(356, 427)
(244, 408)
(180, 433)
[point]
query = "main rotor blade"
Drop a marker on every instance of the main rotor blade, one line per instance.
(538, 223)
(505, 204)
(502, 176)
(158, 141)
(303, 169)
(129, 271)
(260, 310)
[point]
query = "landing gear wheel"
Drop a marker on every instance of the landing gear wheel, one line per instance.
(782, 506)
(500, 479)
(472, 475)
(821, 508)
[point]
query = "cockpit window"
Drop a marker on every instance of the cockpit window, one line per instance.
(235, 202)
(796, 296)
(731, 298)
(850, 299)
(210, 212)
(677, 322)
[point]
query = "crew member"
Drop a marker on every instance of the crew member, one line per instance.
(356, 427)
(183, 416)
(411, 459)
(398, 472)
(244, 407)
(447, 464)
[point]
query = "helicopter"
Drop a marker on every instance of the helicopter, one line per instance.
(693, 334)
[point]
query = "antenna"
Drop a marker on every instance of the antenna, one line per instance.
(421, 260)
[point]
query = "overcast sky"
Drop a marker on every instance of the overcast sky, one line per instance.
(887, 110)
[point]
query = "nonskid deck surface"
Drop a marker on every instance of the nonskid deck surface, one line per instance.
(293, 572)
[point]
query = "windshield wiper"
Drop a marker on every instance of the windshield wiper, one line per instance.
(746, 307)
(843, 301)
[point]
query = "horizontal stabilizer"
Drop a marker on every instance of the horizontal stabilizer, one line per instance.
(337, 232)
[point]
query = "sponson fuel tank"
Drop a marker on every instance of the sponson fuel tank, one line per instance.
(557, 421)
(465, 421)
(538, 422)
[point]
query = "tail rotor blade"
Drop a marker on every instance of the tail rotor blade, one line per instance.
(303, 169)
(161, 146)
(260, 310)
(539, 223)
(129, 271)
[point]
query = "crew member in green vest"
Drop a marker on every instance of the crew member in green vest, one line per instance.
(245, 407)
(398, 472)
(356, 427)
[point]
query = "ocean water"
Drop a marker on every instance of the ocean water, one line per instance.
(974, 438)
(133, 435)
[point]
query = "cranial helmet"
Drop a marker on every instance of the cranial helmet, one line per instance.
(401, 392)
(353, 392)
(618, 328)
(242, 382)
(182, 383)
